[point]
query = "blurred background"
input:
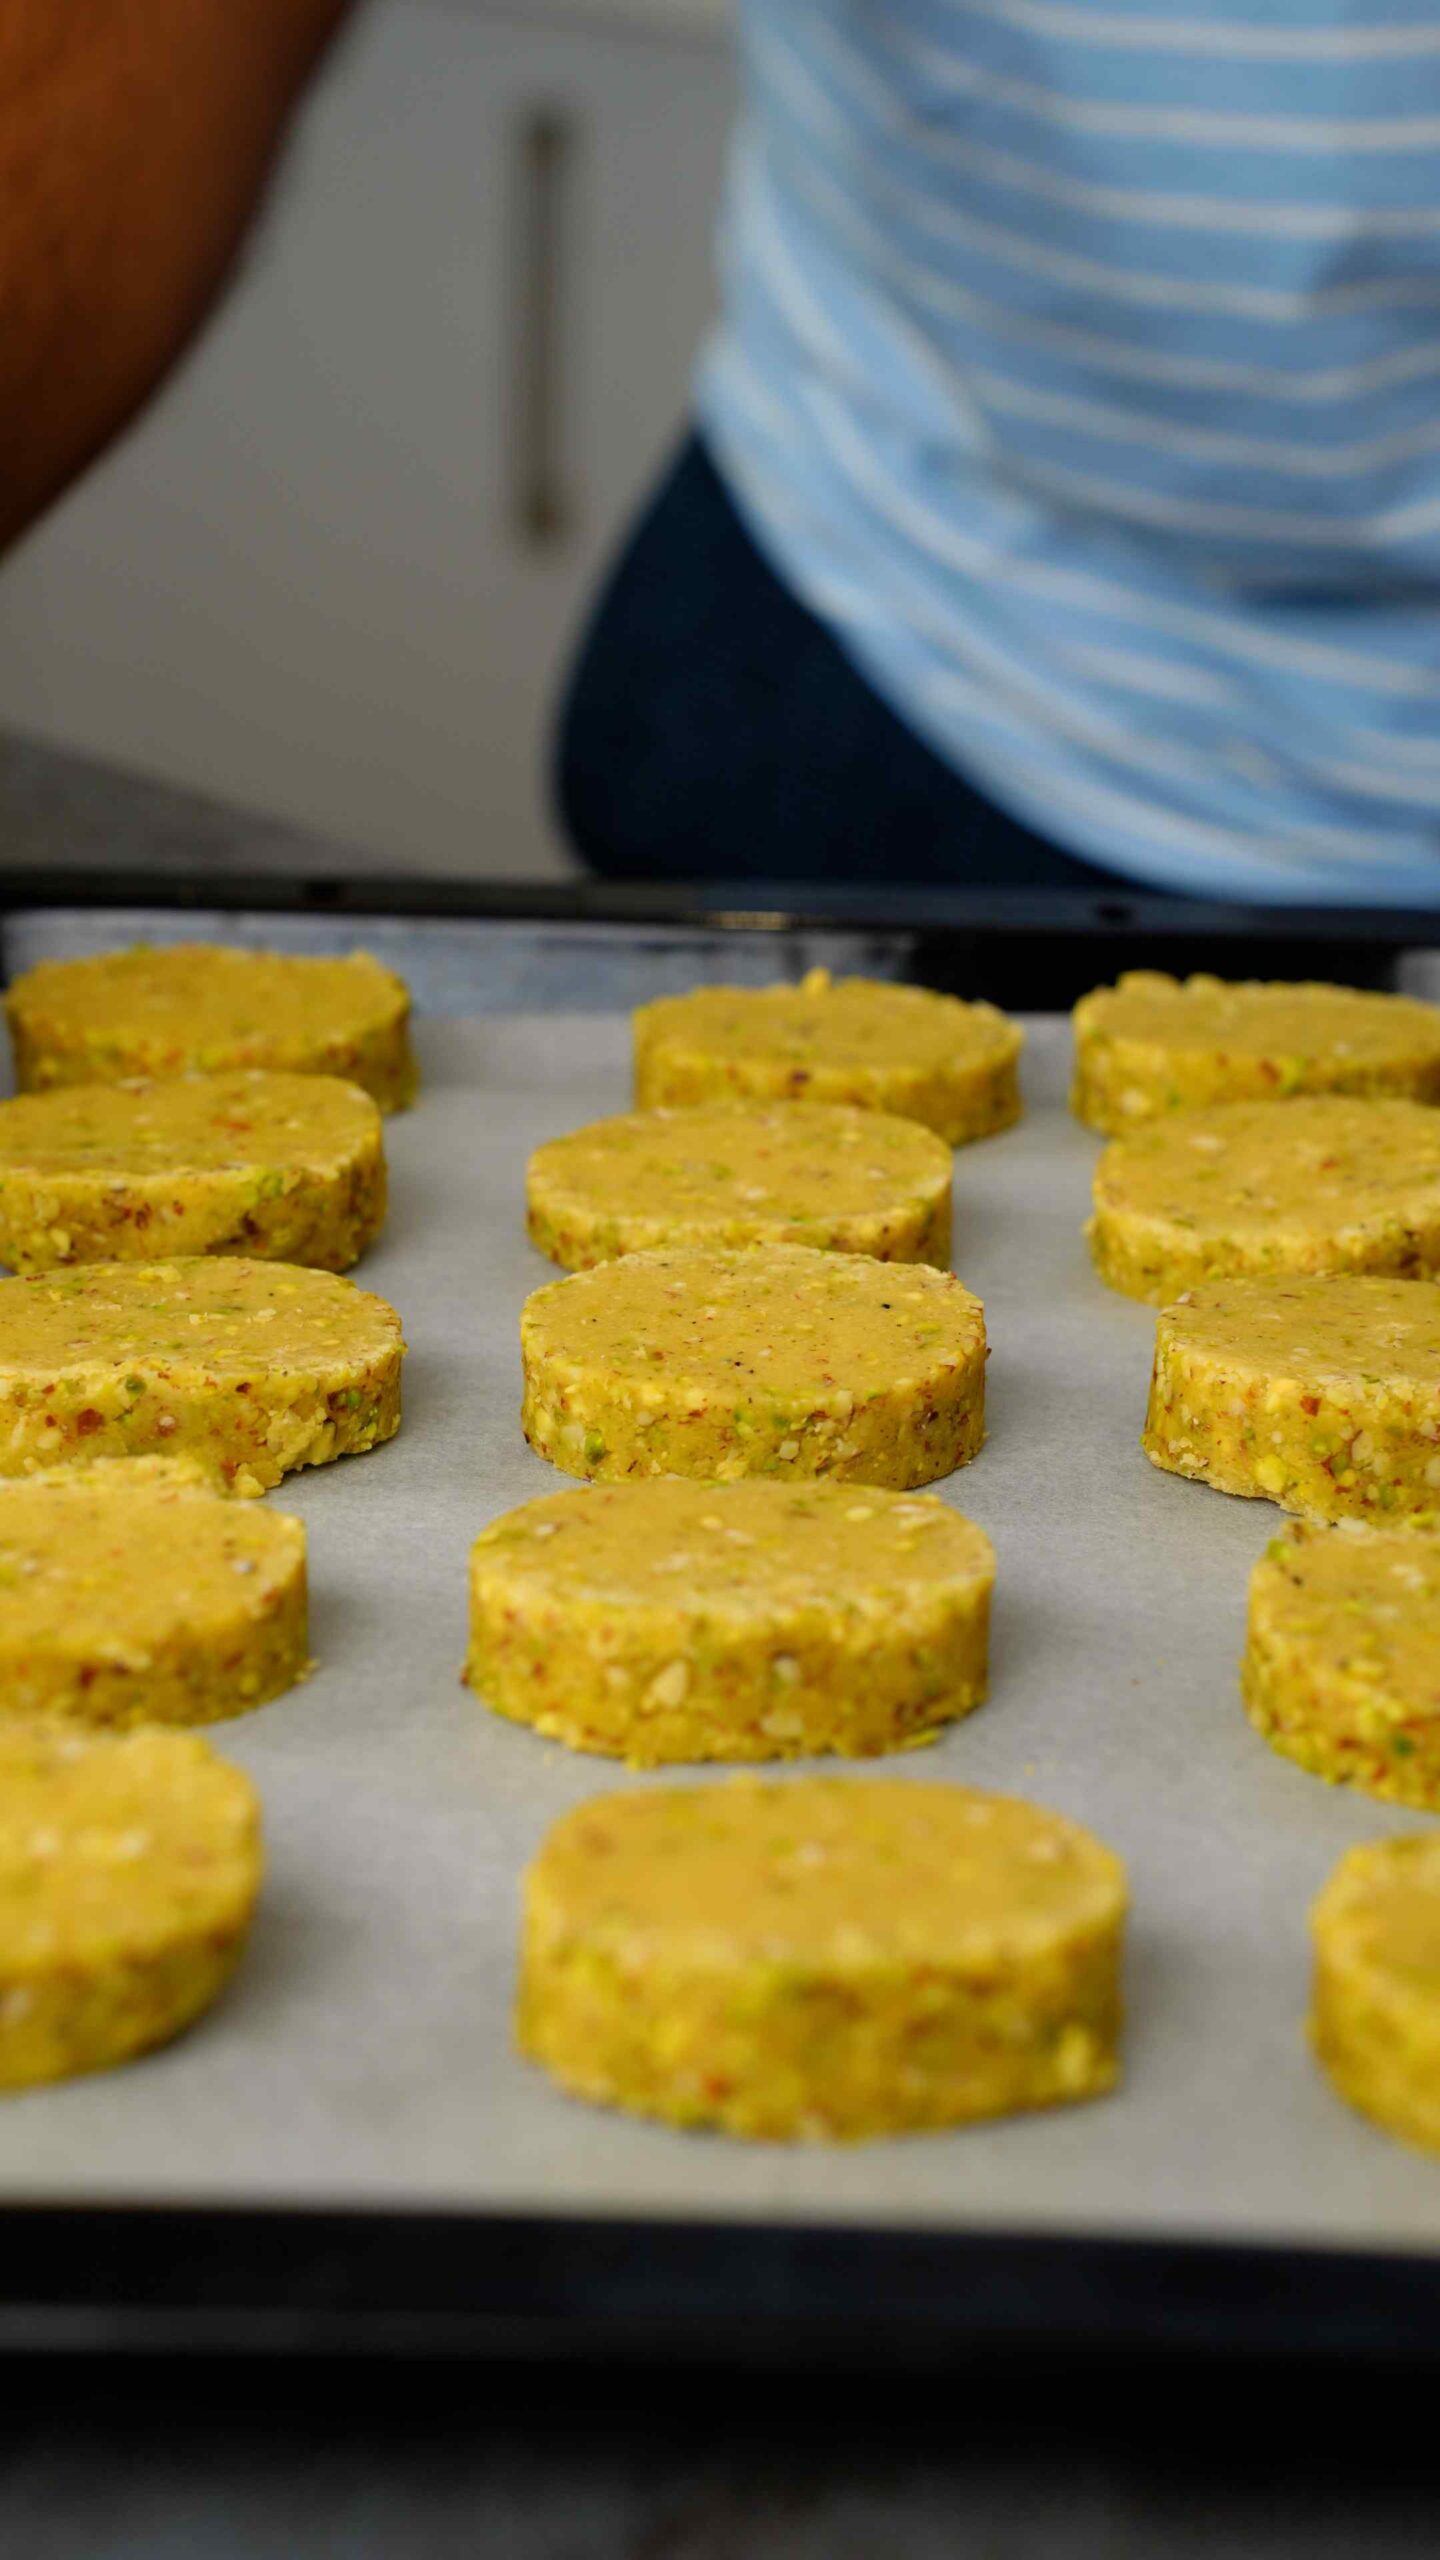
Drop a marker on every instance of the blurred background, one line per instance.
(333, 573)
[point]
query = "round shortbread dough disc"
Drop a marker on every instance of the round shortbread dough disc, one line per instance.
(129, 1867)
(845, 1181)
(1321, 1395)
(288, 1168)
(1153, 1044)
(253, 1368)
(1375, 2013)
(1255, 1188)
(1342, 1656)
(824, 1958)
(666, 1621)
(788, 1362)
(866, 1041)
(132, 1593)
(195, 1008)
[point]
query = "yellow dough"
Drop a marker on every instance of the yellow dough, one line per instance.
(1322, 1395)
(891, 1048)
(846, 1181)
(291, 1168)
(1375, 2017)
(130, 1593)
(198, 1008)
(663, 1621)
(1342, 1658)
(1153, 1044)
(254, 1368)
(1322, 1184)
(822, 1958)
(129, 1867)
(789, 1362)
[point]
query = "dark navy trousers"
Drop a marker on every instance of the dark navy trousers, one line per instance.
(713, 728)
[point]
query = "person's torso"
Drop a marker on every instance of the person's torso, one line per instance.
(1082, 365)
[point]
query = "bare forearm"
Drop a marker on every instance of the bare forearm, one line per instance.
(135, 136)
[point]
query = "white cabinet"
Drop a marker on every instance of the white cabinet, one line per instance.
(309, 580)
(667, 17)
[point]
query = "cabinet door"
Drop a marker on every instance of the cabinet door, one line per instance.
(315, 577)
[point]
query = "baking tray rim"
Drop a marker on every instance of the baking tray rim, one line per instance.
(323, 887)
(235, 2280)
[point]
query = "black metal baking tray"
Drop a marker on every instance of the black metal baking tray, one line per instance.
(189, 2277)
(1036, 952)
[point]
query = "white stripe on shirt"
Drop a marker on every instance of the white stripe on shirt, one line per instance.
(1129, 32)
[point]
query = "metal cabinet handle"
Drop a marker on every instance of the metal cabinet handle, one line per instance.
(541, 505)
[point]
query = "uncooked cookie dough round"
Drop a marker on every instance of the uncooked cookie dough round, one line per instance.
(1375, 2014)
(826, 1958)
(1153, 1044)
(1321, 1395)
(291, 1168)
(819, 1174)
(1322, 1184)
(790, 1362)
(133, 1593)
(860, 1040)
(663, 1621)
(129, 1867)
(1342, 1656)
(194, 1008)
(254, 1368)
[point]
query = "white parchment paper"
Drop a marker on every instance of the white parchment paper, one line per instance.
(363, 2054)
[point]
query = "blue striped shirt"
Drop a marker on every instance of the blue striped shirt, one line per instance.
(1080, 366)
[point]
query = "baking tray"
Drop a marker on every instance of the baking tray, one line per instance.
(471, 946)
(349, 2154)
